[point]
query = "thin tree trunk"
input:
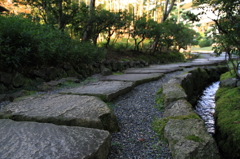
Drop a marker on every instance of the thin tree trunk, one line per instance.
(60, 15)
(88, 32)
(164, 18)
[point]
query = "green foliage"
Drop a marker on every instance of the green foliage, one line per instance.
(172, 35)
(227, 25)
(158, 127)
(159, 99)
(194, 138)
(171, 57)
(117, 73)
(160, 90)
(205, 42)
(27, 44)
(228, 121)
(229, 74)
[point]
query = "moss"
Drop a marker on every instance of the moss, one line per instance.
(117, 73)
(228, 121)
(159, 124)
(125, 59)
(194, 138)
(159, 100)
(158, 127)
(229, 74)
(159, 91)
(110, 105)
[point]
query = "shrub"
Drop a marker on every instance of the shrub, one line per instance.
(205, 43)
(25, 44)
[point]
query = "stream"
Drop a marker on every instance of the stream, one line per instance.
(205, 107)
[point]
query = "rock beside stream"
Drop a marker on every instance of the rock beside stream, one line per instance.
(189, 139)
(26, 140)
(172, 92)
(178, 108)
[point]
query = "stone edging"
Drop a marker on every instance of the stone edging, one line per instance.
(184, 130)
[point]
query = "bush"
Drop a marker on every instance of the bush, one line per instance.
(173, 56)
(195, 42)
(205, 43)
(25, 44)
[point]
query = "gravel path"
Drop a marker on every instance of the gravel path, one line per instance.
(135, 112)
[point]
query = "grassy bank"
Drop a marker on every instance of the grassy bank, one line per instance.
(227, 119)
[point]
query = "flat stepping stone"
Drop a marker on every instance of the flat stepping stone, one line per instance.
(156, 69)
(25, 140)
(106, 90)
(135, 78)
(176, 67)
(200, 60)
(71, 110)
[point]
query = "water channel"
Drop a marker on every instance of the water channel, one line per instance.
(205, 107)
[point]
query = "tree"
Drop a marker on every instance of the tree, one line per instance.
(227, 24)
(53, 12)
(167, 9)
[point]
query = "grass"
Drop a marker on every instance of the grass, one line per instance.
(197, 48)
(230, 74)
(228, 119)
(118, 73)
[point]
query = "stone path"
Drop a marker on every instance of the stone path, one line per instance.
(74, 123)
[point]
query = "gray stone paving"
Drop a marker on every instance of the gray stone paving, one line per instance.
(106, 90)
(32, 140)
(76, 108)
(135, 78)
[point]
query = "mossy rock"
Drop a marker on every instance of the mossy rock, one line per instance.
(172, 92)
(159, 125)
(227, 119)
(178, 108)
(189, 139)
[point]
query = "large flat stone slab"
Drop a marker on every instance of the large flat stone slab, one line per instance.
(152, 70)
(176, 67)
(106, 90)
(71, 110)
(32, 140)
(135, 78)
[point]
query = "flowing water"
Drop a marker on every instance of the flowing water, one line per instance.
(205, 107)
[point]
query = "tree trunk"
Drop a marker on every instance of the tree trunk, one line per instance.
(88, 31)
(60, 15)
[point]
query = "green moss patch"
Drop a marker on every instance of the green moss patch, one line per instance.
(159, 91)
(159, 124)
(228, 121)
(194, 138)
(229, 74)
(117, 73)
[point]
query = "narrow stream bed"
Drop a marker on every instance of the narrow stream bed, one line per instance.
(135, 112)
(205, 107)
